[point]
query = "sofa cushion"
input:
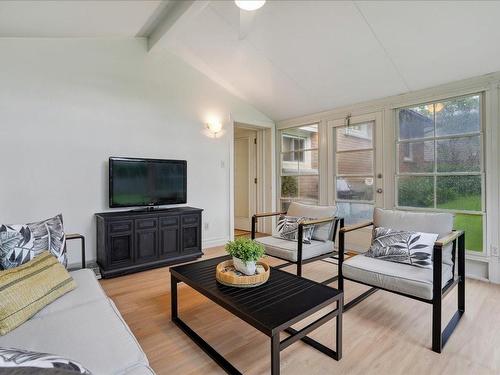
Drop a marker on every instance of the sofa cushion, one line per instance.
(87, 290)
(430, 222)
(392, 276)
(322, 232)
(93, 334)
(140, 370)
(286, 249)
(27, 289)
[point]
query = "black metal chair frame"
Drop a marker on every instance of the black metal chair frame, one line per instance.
(77, 236)
(439, 338)
(300, 233)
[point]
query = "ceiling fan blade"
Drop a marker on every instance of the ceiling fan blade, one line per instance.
(246, 23)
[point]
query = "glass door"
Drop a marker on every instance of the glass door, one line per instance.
(355, 183)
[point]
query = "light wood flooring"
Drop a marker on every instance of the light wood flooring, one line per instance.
(385, 334)
(239, 232)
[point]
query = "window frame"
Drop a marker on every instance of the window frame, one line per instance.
(292, 152)
(435, 174)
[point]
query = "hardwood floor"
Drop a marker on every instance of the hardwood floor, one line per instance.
(385, 334)
(239, 232)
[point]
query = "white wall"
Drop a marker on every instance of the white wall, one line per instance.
(66, 105)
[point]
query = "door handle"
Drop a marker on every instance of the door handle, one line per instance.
(380, 191)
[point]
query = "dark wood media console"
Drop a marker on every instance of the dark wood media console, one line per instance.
(132, 241)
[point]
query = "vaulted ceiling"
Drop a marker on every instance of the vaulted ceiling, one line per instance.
(296, 57)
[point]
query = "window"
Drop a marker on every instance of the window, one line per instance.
(292, 146)
(358, 131)
(299, 165)
(440, 162)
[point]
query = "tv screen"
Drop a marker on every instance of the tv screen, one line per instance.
(146, 182)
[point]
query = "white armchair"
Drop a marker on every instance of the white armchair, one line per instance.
(429, 285)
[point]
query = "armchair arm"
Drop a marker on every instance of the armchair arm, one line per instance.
(342, 231)
(266, 214)
(449, 238)
(256, 216)
(305, 223)
(350, 228)
(457, 237)
(77, 236)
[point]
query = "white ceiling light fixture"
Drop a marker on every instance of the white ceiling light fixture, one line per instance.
(250, 4)
(247, 14)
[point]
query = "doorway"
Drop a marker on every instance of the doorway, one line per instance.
(245, 178)
(252, 178)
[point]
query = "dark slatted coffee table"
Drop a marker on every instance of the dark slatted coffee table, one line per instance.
(271, 308)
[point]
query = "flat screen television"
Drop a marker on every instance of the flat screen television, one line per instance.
(137, 182)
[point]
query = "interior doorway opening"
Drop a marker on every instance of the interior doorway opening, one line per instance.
(251, 173)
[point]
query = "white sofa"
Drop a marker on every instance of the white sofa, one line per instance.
(83, 325)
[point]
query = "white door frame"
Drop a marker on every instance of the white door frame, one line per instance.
(244, 223)
(266, 194)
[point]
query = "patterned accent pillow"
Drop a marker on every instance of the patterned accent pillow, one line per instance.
(20, 243)
(288, 227)
(413, 248)
(10, 357)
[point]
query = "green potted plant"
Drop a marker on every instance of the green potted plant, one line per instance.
(245, 253)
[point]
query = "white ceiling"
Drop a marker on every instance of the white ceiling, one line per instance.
(299, 57)
(78, 18)
(303, 57)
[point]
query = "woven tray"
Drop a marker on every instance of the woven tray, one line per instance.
(226, 274)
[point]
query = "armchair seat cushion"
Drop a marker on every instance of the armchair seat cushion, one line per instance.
(286, 249)
(396, 277)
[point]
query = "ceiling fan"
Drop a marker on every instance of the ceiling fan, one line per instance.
(247, 14)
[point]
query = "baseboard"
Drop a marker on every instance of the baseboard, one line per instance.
(213, 242)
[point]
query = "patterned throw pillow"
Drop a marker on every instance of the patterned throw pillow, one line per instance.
(10, 357)
(413, 248)
(20, 243)
(288, 227)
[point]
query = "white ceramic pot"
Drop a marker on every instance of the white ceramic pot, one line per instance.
(248, 268)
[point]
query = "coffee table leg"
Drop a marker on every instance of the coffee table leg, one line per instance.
(275, 354)
(173, 297)
(338, 336)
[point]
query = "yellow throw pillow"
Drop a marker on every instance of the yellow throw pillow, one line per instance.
(27, 289)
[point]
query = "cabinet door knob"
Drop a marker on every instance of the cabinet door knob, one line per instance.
(380, 191)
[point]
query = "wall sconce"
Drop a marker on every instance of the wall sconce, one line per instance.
(214, 127)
